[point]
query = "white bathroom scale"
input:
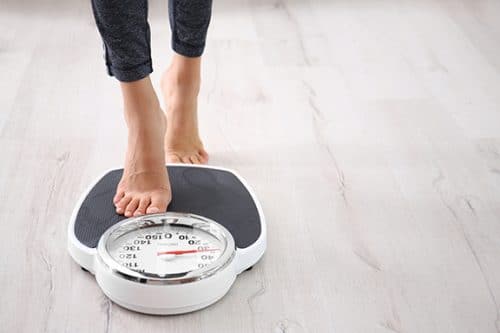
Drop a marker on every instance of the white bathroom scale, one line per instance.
(175, 262)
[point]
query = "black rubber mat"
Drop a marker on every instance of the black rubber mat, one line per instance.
(215, 194)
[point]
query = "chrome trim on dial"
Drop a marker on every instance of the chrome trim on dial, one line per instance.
(184, 219)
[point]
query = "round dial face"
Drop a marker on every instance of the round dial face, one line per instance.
(167, 245)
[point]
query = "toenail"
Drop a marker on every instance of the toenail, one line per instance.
(119, 210)
(153, 210)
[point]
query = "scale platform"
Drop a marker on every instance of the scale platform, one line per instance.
(216, 193)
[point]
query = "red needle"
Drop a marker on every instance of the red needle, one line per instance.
(186, 251)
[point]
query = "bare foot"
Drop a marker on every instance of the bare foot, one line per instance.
(144, 187)
(180, 85)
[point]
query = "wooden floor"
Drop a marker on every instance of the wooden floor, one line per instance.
(370, 130)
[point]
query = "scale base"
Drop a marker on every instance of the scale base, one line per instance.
(159, 312)
(216, 193)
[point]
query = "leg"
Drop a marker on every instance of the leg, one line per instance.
(144, 187)
(189, 20)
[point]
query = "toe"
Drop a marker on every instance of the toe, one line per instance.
(118, 196)
(120, 206)
(159, 203)
(203, 156)
(186, 159)
(131, 207)
(143, 204)
(195, 159)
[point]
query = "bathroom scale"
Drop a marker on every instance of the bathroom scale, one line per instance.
(174, 262)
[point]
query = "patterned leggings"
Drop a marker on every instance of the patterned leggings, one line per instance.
(124, 28)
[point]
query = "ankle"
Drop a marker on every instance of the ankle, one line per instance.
(183, 75)
(177, 81)
(143, 115)
(145, 143)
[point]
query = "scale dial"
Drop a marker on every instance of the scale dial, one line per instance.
(166, 248)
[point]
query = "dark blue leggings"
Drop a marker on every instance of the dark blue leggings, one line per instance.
(124, 28)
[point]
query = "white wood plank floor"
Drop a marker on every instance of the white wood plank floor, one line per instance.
(369, 129)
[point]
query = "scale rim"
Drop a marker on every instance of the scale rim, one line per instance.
(115, 268)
